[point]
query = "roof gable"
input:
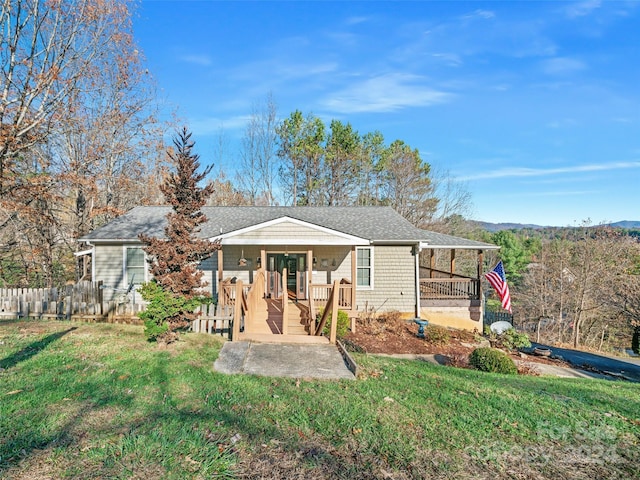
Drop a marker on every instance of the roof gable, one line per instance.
(290, 231)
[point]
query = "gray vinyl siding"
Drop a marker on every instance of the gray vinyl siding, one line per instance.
(287, 230)
(393, 281)
(207, 266)
(342, 269)
(231, 256)
(109, 267)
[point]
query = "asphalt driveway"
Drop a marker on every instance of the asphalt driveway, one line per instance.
(616, 367)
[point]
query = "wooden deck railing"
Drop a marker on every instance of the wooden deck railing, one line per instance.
(319, 293)
(459, 288)
(227, 295)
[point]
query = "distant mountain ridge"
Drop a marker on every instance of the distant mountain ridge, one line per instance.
(496, 227)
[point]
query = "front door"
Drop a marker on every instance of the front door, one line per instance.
(295, 264)
(292, 268)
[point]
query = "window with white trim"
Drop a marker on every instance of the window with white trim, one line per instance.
(134, 265)
(364, 267)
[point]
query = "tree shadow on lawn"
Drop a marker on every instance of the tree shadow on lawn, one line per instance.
(32, 349)
(198, 431)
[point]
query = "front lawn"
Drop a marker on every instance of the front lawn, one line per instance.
(98, 401)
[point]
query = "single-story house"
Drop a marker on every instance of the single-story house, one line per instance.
(373, 252)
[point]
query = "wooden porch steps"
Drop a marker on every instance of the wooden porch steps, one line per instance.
(268, 320)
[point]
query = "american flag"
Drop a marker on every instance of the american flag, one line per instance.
(498, 280)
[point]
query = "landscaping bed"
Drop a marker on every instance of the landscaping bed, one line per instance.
(390, 334)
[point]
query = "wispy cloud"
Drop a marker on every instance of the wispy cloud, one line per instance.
(196, 59)
(214, 125)
(556, 193)
(385, 93)
(449, 59)
(479, 13)
(516, 172)
(356, 20)
(581, 9)
(563, 123)
(562, 66)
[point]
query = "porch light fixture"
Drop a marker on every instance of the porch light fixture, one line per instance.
(243, 261)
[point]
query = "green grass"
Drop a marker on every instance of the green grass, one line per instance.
(98, 401)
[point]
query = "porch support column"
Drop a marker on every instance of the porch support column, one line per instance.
(307, 287)
(220, 265)
(479, 283)
(432, 262)
(453, 262)
(354, 276)
(263, 266)
(263, 259)
(417, 272)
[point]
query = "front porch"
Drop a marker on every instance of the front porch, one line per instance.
(259, 315)
(280, 303)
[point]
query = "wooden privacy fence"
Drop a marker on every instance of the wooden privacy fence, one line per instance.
(214, 319)
(84, 301)
(84, 298)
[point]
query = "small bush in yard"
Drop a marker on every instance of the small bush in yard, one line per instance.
(162, 306)
(512, 340)
(343, 323)
(509, 339)
(437, 335)
(492, 360)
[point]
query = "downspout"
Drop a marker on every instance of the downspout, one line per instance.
(93, 261)
(417, 250)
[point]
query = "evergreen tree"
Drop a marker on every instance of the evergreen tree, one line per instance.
(174, 259)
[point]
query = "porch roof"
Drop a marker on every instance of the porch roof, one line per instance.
(378, 225)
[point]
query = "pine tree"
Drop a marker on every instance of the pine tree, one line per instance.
(174, 259)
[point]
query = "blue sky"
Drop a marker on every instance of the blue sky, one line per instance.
(534, 106)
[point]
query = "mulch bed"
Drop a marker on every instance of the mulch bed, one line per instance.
(390, 334)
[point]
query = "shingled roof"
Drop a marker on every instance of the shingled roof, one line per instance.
(375, 224)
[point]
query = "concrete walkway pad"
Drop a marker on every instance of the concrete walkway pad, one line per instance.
(282, 360)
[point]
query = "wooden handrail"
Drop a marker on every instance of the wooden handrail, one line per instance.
(312, 312)
(435, 273)
(237, 312)
(256, 292)
(331, 306)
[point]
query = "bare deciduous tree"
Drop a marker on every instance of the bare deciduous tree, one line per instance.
(258, 167)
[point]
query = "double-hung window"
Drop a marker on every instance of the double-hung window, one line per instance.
(134, 265)
(364, 267)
